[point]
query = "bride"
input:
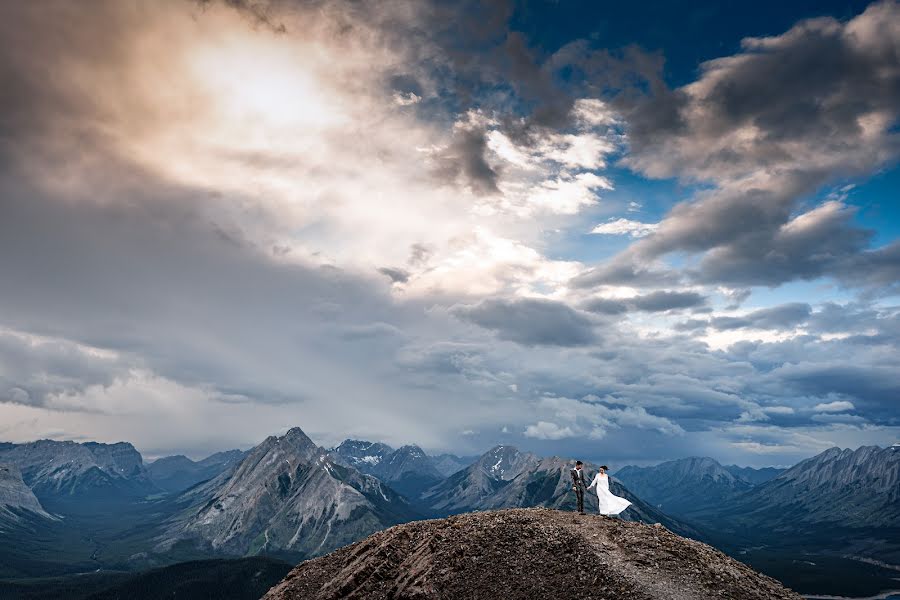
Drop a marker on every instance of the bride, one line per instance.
(610, 504)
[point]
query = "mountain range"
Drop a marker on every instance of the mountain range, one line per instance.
(76, 478)
(90, 505)
(408, 469)
(689, 486)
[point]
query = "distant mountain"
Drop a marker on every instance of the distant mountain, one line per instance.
(754, 476)
(847, 488)
(362, 455)
(448, 464)
(504, 477)
(15, 496)
(178, 473)
(685, 486)
(469, 488)
(408, 470)
(286, 496)
(72, 474)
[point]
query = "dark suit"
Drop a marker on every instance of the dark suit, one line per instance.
(579, 485)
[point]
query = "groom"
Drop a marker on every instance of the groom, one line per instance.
(579, 485)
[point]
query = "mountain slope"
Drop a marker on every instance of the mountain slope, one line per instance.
(15, 496)
(286, 496)
(527, 553)
(685, 486)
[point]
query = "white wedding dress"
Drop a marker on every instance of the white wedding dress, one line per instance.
(610, 504)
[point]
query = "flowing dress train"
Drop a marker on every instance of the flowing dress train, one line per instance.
(610, 504)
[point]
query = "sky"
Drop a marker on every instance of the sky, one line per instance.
(627, 232)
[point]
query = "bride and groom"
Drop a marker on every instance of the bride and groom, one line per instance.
(610, 504)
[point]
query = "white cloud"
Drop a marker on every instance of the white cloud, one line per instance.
(544, 430)
(834, 407)
(625, 227)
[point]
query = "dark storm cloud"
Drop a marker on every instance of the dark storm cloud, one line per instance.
(465, 159)
(395, 275)
(769, 126)
(783, 316)
(530, 321)
(606, 306)
(874, 387)
(658, 301)
(877, 269)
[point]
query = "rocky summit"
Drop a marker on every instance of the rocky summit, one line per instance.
(527, 553)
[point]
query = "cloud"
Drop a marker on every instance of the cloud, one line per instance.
(530, 321)
(783, 316)
(658, 301)
(182, 249)
(833, 407)
(664, 300)
(763, 157)
(635, 229)
(544, 430)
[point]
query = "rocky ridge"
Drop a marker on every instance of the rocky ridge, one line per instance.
(527, 554)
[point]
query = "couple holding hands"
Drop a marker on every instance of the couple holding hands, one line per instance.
(610, 504)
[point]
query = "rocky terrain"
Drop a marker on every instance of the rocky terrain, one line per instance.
(527, 553)
(286, 495)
